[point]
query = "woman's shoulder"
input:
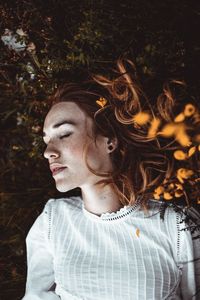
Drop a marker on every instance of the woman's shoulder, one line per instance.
(174, 216)
(68, 203)
(162, 210)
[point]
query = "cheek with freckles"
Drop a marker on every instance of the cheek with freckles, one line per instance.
(76, 172)
(75, 154)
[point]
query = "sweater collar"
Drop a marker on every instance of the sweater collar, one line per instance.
(113, 216)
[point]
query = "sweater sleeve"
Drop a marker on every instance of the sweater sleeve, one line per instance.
(190, 263)
(40, 269)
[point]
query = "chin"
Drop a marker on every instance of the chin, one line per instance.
(63, 188)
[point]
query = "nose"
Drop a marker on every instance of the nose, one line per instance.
(51, 152)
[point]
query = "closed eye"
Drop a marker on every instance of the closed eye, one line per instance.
(65, 135)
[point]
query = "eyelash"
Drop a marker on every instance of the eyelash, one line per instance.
(65, 135)
(62, 136)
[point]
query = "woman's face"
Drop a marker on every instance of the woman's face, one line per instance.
(67, 131)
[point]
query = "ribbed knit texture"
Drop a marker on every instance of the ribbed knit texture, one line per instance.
(73, 254)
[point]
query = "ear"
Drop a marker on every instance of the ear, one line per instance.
(112, 144)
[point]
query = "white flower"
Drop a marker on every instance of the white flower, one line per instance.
(32, 76)
(29, 68)
(7, 37)
(20, 78)
(21, 32)
(11, 40)
(17, 45)
(19, 119)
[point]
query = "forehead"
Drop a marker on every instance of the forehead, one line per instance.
(65, 111)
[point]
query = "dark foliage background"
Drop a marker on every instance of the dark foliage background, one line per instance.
(66, 40)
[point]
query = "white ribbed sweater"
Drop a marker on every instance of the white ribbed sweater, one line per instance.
(73, 254)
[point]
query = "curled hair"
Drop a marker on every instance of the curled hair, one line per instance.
(140, 163)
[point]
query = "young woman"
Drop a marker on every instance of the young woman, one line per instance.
(111, 242)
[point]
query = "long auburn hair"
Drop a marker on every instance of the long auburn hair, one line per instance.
(139, 163)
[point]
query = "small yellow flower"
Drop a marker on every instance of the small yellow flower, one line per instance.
(156, 196)
(191, 151)
(183, 173)
(180, 155)
(167, 196)
(159, 190)
(101, 102)
(178, 193)
(182, 137)
(180, 178)
(189, 110)
(141, 118)
(171, 185)
(179, 186)
(179, 118)
(168, 130)
(154, 127)
(179, 131)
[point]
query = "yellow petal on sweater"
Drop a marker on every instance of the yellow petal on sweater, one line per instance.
(180, 155)
(137, 232)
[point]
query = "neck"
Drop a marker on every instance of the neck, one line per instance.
(100, 199)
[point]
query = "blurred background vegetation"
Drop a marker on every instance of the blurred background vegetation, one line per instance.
(44, 43)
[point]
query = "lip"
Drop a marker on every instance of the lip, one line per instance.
(56, 168)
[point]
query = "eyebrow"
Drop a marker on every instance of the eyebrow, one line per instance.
(71, 122)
